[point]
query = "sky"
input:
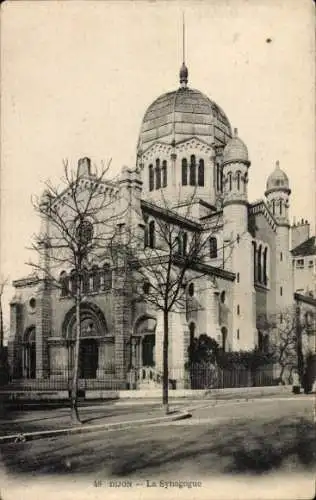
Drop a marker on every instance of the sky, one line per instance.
(77, 78)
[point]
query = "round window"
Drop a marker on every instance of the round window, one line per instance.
(32, 303)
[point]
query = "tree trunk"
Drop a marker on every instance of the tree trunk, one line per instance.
(74, 390)
(1, 324)
(165, 378)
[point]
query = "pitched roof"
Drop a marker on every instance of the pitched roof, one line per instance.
(308, 247)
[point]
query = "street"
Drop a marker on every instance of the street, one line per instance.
(226, 437)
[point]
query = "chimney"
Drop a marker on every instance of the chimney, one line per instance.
(299, 233)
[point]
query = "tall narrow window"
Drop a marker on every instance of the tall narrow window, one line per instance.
(192, 171)
(95, 278)
(218, 177)
(281, 291)
(192, 332)
(151, 178)
(213, 247)
(238, 180)
(107, 277)
(238, 334)
(265, 277)
(273, 207)
(238, 277)
(254, 246)
(158, 174)
(184, 172)
(73, 282)
(238, 309)
(64, 283)
(85, 281)
(259, 264)
(229, 176)
(152, 234)
(164, 174)
(224, 337)
(201, 173)
(281, 256)
(280, 205)
(221, 179)
(184, 243)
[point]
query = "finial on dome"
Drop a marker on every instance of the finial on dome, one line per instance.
(277, 164)
(184, 72)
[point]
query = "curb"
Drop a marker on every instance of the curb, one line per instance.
(29, 436)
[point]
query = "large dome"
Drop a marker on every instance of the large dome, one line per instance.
(181, 114)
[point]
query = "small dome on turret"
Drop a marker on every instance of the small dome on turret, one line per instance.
(235, 150)
(278, 180)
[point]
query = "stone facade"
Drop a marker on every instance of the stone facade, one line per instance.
(191, 172)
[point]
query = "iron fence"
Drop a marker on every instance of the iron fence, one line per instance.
(200, 376)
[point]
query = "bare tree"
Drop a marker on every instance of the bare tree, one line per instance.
(287, 342)
(79, 220)
(174, 252)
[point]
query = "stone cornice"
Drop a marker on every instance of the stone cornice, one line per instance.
(260, 207)
(305, 298)
(25, 282)
(170, 216)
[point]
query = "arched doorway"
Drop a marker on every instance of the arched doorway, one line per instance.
(148, 350)
(29, 354)
(93, 327)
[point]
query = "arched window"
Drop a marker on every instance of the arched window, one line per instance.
(158, 174)
(63, 280)
(184, 172)
(95, 278)
(192, 171)
(201, 173)
(107, 277)
(280, 205)
(164, 174)
(229, 177)
(152, 234)
(213, 247)
(265, 277)
(151, 178)
(238, 180)
(191, 289)
(259, 264)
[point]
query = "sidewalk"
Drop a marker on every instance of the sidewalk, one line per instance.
(48, 421)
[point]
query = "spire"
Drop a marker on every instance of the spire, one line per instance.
(184, 73)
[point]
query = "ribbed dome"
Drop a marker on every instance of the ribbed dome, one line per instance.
(236, 150)
(278, 179)
(181, 114)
